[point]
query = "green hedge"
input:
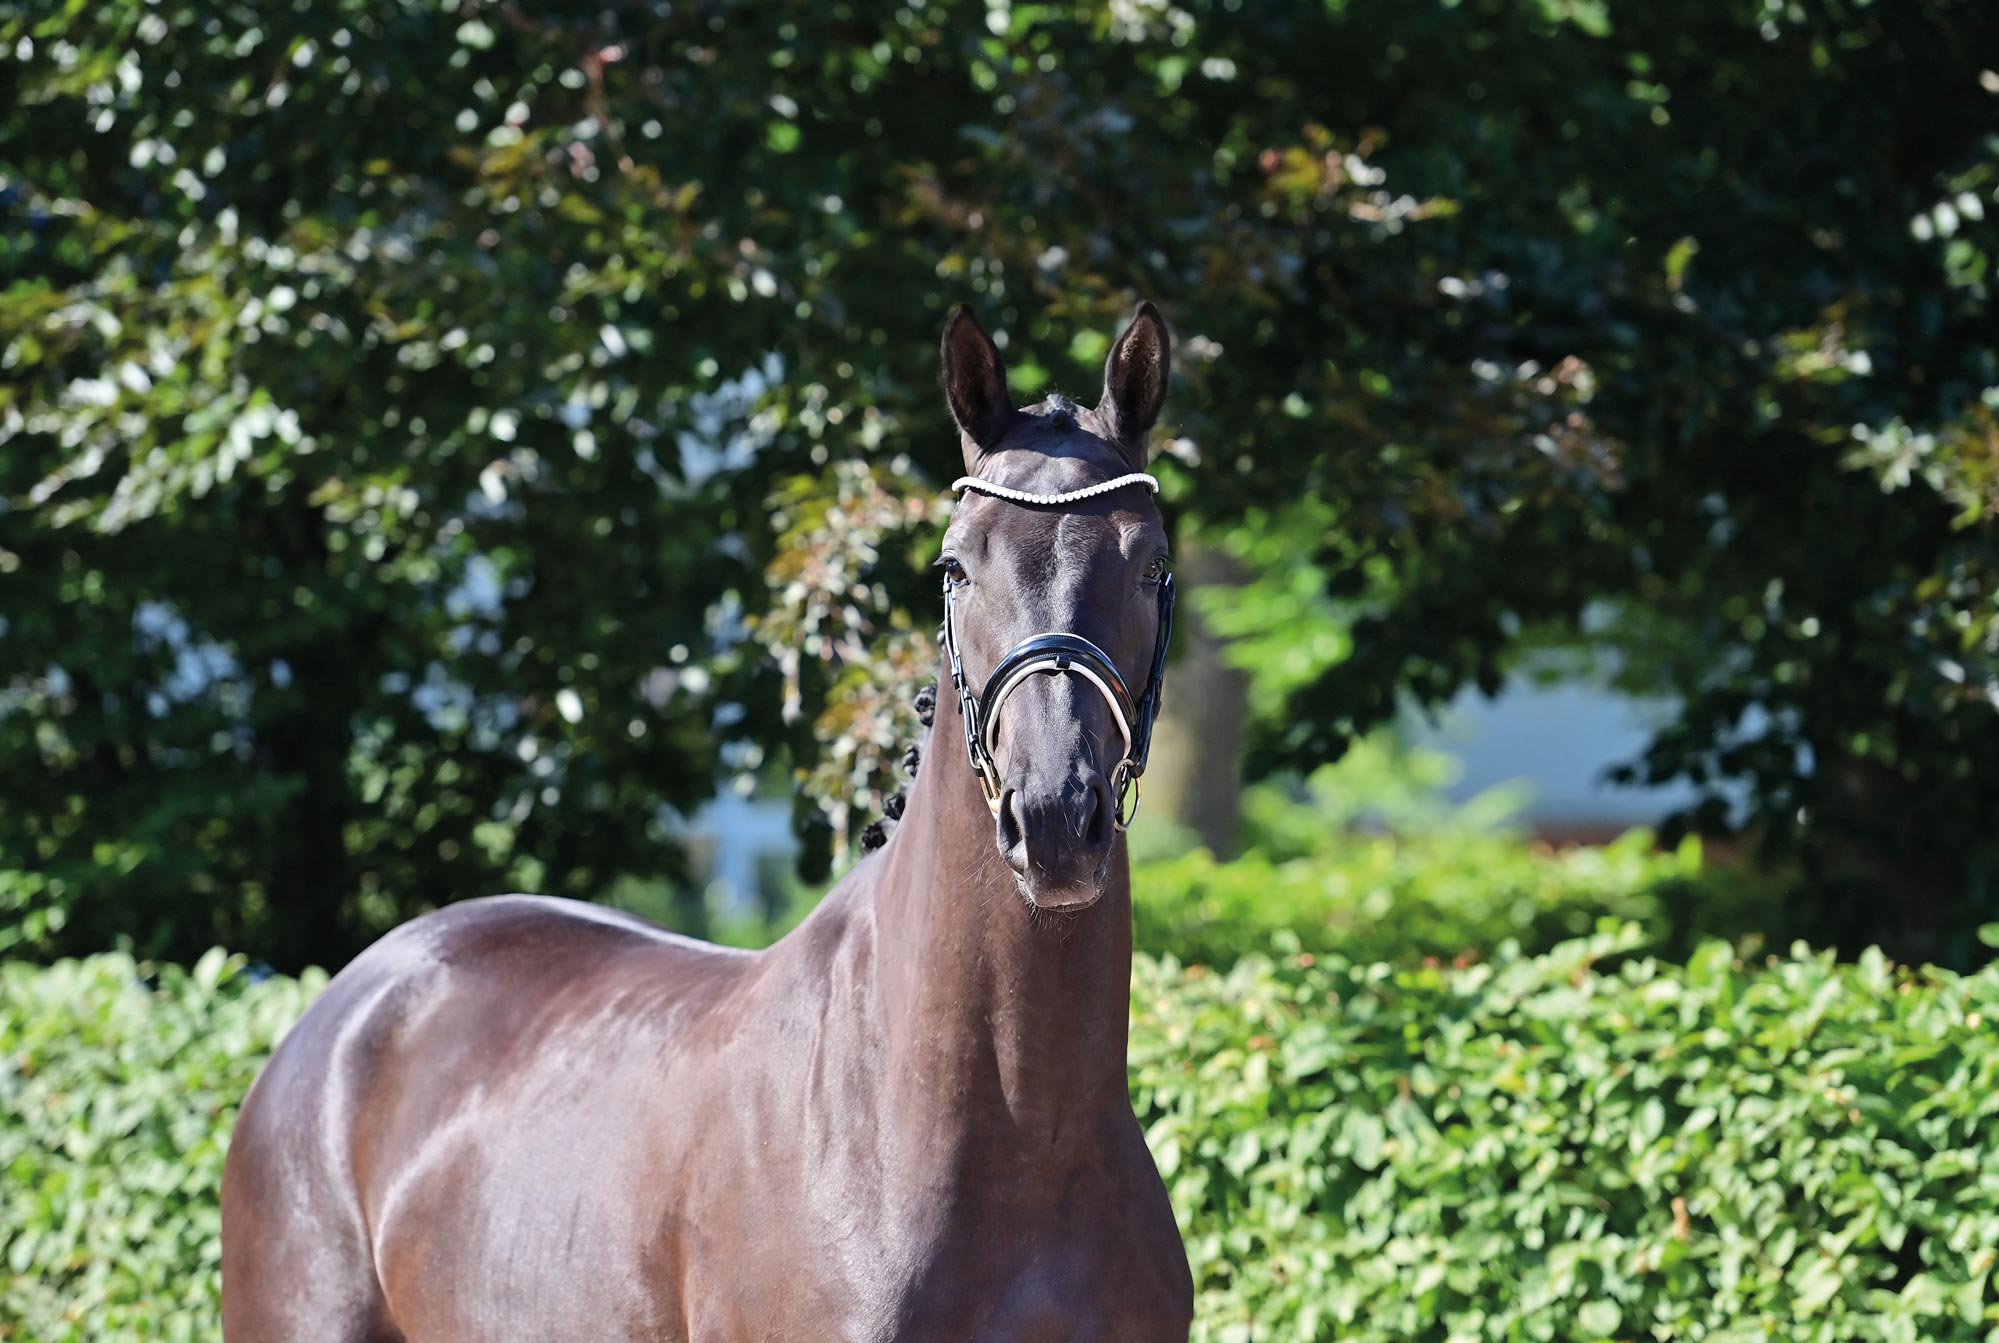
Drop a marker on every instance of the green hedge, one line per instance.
(1402, 897)
(1587, 1144)
(116, 1099)
(1583, 1145)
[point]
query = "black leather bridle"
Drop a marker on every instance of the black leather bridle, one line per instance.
(1061, 654)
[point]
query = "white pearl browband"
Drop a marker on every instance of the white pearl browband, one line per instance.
(973, 483)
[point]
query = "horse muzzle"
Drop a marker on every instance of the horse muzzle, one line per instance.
(1057, 835)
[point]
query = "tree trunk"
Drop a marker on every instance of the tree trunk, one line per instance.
(1882, 876)
(1194, 777)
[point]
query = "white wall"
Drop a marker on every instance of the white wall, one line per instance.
(1560, 739)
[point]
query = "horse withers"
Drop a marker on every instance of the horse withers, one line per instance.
(524, 1119)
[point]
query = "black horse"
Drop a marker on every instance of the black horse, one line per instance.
(527, 1119)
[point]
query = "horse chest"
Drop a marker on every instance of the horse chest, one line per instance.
(900, 1256)
(975, 1292)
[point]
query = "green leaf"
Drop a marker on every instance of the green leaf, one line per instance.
(1600, 1318)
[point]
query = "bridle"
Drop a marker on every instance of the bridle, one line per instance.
(1061, 654)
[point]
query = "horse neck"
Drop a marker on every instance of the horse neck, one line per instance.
(1009, 1018)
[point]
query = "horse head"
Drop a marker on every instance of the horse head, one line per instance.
(1058, 604)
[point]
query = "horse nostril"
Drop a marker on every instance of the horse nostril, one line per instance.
(1097, 814)
(1012, 830)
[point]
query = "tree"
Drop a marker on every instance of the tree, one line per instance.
(405, 403)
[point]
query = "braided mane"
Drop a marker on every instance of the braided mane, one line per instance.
(876, 833)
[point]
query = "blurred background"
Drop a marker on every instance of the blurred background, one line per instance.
(451, 448)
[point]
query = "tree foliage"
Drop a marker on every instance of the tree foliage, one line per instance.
(403, 401)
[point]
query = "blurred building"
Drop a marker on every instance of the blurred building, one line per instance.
(1560, 739)
(742, 850)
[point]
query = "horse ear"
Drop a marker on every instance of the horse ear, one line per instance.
(1135, 378)
(975, 385)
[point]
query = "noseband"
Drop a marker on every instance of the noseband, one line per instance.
(1061, 654)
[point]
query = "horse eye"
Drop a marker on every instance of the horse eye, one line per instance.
(1155, 572)
(953, 570)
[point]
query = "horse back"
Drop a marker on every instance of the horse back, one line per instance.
(484, 1083)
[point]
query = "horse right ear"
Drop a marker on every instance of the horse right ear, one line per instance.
(1135, 378)
(975, 386)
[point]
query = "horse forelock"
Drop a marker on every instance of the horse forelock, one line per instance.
(1054, 446)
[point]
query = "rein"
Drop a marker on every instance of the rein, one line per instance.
(1061, 654)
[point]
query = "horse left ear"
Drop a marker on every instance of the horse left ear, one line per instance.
(1135, 378)
(975, 386)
